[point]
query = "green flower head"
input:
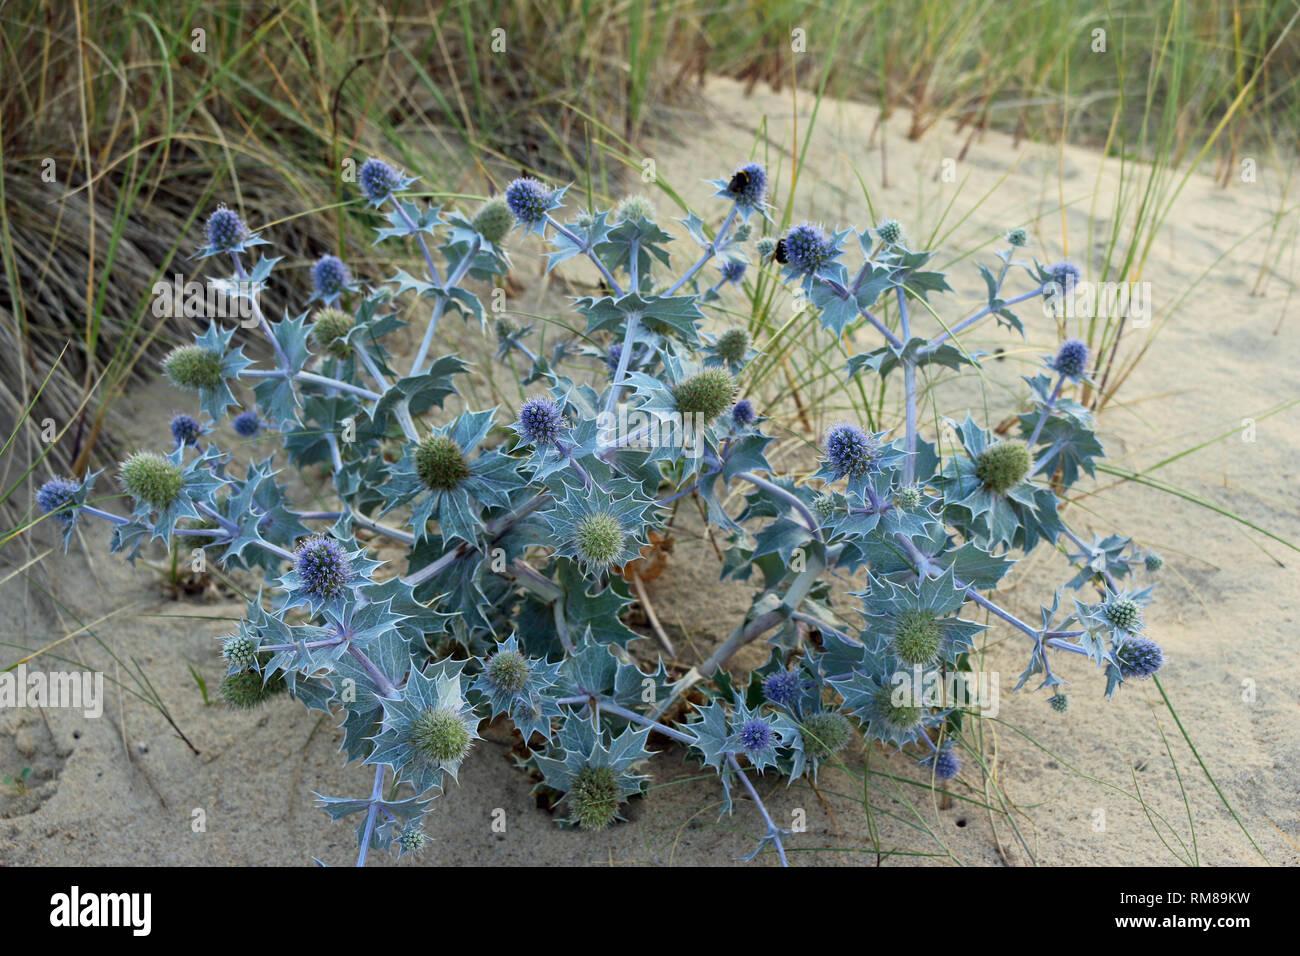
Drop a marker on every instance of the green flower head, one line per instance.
(709, 393)
(440, 463)
(329, 330)
(152, 479)
(193, 367)
(1003, 466)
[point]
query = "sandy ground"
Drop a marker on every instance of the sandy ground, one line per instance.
(126, 789)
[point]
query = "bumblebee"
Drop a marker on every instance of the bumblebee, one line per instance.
(779, 254)
(738, 182)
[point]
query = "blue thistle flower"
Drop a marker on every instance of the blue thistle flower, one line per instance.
(378, 180)
(330, 277)
(540, 421)
(185, 429)
(614, 354)
(529, 200)
(946, 764)
(808, 248)
(55, 496)
(781, 687)
(225, 229)
(1072, 359)
(246, 424)
(733, 270)
(748, 185)
(323, 567)
(755, 735)
(742, 413)
(1153, 562)
(1139, 657)
(850, 451)
(1065, 274)
(1018, 238)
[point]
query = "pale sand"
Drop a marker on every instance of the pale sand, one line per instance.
(123, 789)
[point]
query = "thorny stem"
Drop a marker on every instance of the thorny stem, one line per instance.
(600, 266)
(371, 368)
(386, 687)
(823, 626)
(419, 238)
(562, 626)
(866, 313)
(880, 327)
(711, 250)
(776, 490)
(967, 323)
(376, 792)
(752, 629)
(609, 707)
(1042, 420)
(228, 528)
(314, 379)
(494, 529)
(909, 383)
(773, 831)
(925, 567)
(624, 356)
(395, 533)
(1090, 550)
(261, 319)
(426, 342)
(441, 305)
(106, 515)
(403, 415)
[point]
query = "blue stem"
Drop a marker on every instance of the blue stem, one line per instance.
(376, 792)
(600, 266)
(710, 251)
(261, 319)
(966, 323)
(1047, 410)
(909, 384)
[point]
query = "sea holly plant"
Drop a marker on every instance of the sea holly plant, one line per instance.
(517, 525)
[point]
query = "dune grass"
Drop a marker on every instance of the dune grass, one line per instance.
(152, 111)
